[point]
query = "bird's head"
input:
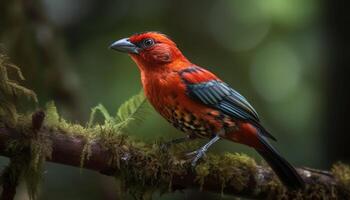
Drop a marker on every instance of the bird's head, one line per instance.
(150, 50)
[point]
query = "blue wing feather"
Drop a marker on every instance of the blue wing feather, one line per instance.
(219, 95)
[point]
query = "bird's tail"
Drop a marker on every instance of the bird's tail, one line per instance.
(284, 170)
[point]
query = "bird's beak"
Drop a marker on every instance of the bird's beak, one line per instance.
(124, 45)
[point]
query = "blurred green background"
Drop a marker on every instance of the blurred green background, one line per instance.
(286, 57)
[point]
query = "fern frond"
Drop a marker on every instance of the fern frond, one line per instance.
(103, 111)
(132, 110)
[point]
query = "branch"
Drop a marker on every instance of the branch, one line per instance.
(142, 164)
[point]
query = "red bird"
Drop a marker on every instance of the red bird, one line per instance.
(198, 103)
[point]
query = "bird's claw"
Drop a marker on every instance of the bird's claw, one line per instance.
(197, 155)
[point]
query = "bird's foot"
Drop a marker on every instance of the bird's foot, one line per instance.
(201, 152)
(198, 154)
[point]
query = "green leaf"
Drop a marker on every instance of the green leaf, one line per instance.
(132, 110)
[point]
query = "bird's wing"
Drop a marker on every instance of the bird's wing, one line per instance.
(206, 88)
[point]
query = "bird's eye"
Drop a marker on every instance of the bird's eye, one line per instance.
(148, 42)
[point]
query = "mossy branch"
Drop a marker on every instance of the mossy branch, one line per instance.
(30, 140)
(147, 166)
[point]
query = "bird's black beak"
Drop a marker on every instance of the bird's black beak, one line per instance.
(124, 45)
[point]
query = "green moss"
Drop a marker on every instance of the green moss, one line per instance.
(30, 153)
(238, 166)
(28, 161)
(325, 190)
(202, 171)
(342, 173)
(142, 168)
(233, 170)
(10, 90)
(40, 149)
(86, 153)
(52, 118)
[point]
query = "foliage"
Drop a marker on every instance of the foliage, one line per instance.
(28, 161)
(145, 167)
(31, 153)
(10, 90)
(132, 110)
(342, 174)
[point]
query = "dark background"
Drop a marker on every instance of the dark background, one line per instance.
(289, 58)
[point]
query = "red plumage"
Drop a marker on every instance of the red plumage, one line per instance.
(197, 102)
(166, 90)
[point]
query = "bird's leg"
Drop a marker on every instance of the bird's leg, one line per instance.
(201, 152)
(168, 144)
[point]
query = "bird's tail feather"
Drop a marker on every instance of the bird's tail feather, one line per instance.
(284, 170)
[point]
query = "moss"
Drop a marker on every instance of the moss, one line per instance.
(30, 153)
(342, 174)
(52, 118)
(321, 190)
(238, 166)
(40, 149)
(202, 171)
(10, 90)
(28, 161)
(143, 168)
(233, 170)
(86, 153)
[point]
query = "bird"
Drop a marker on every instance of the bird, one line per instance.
(197, 102)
